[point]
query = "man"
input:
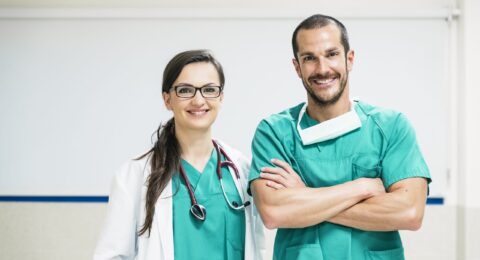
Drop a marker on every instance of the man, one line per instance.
(337, 178)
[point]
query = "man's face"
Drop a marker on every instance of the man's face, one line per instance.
(322, 64)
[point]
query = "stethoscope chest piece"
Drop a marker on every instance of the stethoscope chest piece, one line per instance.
(199, 212)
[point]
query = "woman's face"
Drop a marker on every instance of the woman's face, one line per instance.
(197, 112)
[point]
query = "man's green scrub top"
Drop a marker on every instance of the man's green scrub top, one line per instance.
(222, 234)
(385, 146)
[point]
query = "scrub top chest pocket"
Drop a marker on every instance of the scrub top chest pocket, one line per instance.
(366, 166)
(322, 165)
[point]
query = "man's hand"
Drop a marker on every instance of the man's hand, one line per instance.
(373, 186)
(282, 176)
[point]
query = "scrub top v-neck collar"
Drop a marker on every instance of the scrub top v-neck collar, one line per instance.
(194, 175)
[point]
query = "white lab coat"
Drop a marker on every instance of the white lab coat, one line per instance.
(126, 214)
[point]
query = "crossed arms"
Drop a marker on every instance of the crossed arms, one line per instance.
(284, 201)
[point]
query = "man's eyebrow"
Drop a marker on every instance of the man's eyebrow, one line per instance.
(332, 49)
(305, 53)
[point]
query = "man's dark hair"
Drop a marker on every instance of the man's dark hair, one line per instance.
(319, 21)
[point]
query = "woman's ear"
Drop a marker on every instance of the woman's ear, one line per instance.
(221, 97)
(167, 100)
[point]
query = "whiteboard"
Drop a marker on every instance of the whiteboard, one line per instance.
(78, 97)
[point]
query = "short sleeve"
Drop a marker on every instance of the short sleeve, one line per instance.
(266, 145)
(403, 158)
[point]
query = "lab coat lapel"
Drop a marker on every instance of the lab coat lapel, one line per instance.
(164, 218)
(242, 190)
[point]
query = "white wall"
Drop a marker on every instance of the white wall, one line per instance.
(469, 129)
(53, 231)
(59, 231)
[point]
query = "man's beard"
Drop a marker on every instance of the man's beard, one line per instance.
(325, 102)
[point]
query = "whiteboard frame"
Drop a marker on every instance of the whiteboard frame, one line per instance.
(451, 15)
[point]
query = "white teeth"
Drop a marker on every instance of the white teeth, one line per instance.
(198, 113)
(323, 81)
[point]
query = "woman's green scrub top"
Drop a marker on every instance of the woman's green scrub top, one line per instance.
(222, 234)
(384, 146)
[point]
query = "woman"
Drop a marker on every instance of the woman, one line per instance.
(178, 201)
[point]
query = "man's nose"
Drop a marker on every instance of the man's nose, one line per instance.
(322, 66)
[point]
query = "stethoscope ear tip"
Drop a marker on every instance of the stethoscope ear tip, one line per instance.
(244, 205)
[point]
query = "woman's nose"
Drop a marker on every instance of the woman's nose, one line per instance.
(198, 98)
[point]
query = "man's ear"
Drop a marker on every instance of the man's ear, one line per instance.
(350, 59)
(297, 67)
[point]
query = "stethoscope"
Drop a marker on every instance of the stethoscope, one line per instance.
(198, 210)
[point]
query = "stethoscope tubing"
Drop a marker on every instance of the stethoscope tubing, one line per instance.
(197, 210)
(227, 162)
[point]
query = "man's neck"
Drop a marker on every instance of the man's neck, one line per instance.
(327, 112)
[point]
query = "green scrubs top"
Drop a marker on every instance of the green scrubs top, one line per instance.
(385, 146)
(222, 234)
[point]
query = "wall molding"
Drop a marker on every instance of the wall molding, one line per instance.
(216, 13)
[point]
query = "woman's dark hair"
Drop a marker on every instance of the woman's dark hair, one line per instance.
(165, 153)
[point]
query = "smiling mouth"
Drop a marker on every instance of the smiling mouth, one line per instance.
(323, 83)
(200, 112)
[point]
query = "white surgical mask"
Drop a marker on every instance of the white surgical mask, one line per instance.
(329, 129)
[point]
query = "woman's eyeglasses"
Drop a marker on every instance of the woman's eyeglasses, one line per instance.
(187, 91)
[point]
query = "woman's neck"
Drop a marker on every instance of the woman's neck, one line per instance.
(196, 146)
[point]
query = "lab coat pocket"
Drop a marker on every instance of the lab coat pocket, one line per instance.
(392, 254)
(366, 166)
(309, 251)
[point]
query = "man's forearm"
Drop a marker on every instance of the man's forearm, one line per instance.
(400, 209)
(302, 207)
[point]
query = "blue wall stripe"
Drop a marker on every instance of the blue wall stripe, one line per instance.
(81, 199)
(104, 199)
(435, 201)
